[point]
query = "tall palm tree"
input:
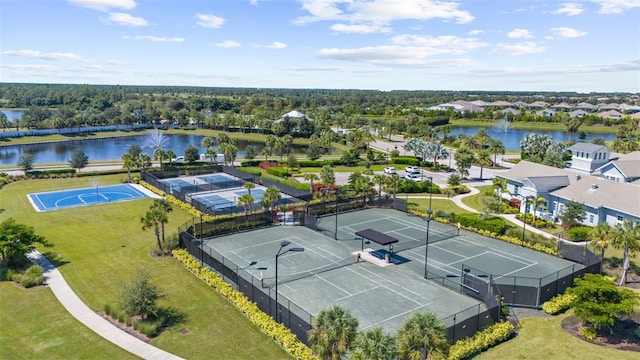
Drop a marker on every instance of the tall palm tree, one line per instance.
(266, 151)
(483, 158)
(422, 336)
(271, 196)
(500, 187)
(159, 154)
(128, 162)
(311, 177)
(245, 201)
(211, 154)
(164, 207)
(481, 138)
(379, 180)
(435, 150)
(249, 186)
(496, 147)
(152, 220)
(393, 182)
(627, 238)
(374, 344)
(361, 184)
(288, 141)
(279, 146)
(327, 176)
(600, 237)
(334, 329)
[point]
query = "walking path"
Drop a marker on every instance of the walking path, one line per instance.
(93, 321)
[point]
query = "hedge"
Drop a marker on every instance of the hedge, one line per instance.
(406, 160)
(579, 233)
(558, 304)
(482, 340)
(267, 324)
(495, 225)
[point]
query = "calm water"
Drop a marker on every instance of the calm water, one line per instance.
(511, 138)
(12, 114)
(111, 148)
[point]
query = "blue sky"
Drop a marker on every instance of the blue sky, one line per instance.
(513, 45)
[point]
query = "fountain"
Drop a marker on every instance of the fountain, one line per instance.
(156, 140)
(503, 126)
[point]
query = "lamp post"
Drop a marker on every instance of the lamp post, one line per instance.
(428, 219)
(202, 232)
(278, 254)
(524, 218)
(337, 192)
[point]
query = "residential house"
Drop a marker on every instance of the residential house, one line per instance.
(532, 180)
(588, 157)
(578, 113)
(622, 168)
(604, 201)
(585, 106)
(563, 106)
(611, 114)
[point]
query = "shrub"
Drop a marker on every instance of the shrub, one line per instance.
(32, 277)
(460, 189)
(558, 304)
(268, 164)
(406, 160)
(482, 340)
(495, 225)
(278, 171)
(589, 333)
(637, 332)
(579, 233)
(315, 163)
(249, 163)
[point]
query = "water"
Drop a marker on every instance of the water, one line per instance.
(114, 148)
(13, 114)
(511, 137)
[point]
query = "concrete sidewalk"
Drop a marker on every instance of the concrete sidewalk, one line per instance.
(93, 321)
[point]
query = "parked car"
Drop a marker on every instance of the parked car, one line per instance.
(412, 169)
(390, 170)
(414, 177)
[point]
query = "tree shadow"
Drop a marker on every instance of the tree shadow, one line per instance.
(172, 317)
(55, 258)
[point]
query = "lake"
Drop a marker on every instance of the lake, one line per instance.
(113, 148)
(12, 114)
(511, 138)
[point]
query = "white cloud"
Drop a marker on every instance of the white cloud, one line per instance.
(153, 38)
(445, 44)
(35, 54)
(394, 56)
(360, 28)
(116, 62)
(570, 9)
(524, 48)
(28, 67)
(565, 69)
(94, 68)
(475, 32)
(228, 44)
(520, 34)
(253, 2)
(275, 45)
(127, 20)
(381, 11)
(209, 21)
(104, 5)
(616, 6)
(566, 32)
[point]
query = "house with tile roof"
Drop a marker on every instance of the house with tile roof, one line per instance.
(585, 106)
(611, 114)
(578, 113)
(563, 106)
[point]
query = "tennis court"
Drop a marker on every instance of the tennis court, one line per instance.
(448, 252)
(55, 200)
(329, 272)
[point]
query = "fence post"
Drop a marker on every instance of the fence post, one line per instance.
(539, 291)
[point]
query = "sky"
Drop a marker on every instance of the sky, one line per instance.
(499, 45)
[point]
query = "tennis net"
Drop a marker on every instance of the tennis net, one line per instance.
(271, 281)
(434, 237)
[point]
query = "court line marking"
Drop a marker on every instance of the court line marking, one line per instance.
(358, 293)
(401, 314)
(510, 256)
(370, 278)
(515, 271)
(334, 285)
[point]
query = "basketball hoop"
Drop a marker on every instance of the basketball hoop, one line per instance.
(95, 183)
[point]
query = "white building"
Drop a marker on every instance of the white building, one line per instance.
(588, 157)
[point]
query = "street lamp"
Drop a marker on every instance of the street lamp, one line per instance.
(283, 244)
(428, 219)
(524, 217)
(202, 232)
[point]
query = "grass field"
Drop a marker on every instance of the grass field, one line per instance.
(437, 204)
(544, 338)
(99, 247)
(34, 325)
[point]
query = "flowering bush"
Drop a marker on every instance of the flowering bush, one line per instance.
(482, 340)
(277, 331)
(558, 304)
(269, 164)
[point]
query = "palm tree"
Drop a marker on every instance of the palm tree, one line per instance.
(393, 182)
(266, 151)
(211, 154)
(152, 220)
(483, 158)
(360, 183)
(311, 177)
(627, 238)
(246, 200)
(496, 147)
(435, 150)
(279, 146)
(271, 196)
(600, 237)
(128, 162)
(170, 155)
(164, 207)
(379, 180)
(500, 187)
(288, 141)
(481, 138)
(334, 329)
(248, 186)
(327, 176)
(159, 154)
(422, 336)
(374, 344)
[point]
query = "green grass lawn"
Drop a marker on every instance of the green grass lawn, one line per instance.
(475, 201)
(99, 247)
(544, 338)
(437, 204)
(34, 324)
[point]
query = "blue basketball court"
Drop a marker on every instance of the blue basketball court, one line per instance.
(63, 199)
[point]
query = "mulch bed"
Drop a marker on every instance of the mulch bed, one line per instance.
(623, 337)
(124, 327)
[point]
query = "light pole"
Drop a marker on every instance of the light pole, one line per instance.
(428, 219)
(524, 217)
(202, 233)
(280, 253)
